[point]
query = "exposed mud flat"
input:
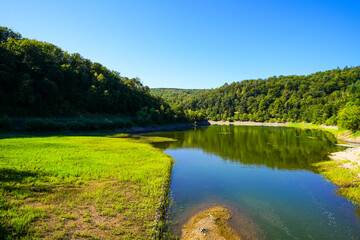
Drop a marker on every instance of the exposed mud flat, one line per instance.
(213, 223)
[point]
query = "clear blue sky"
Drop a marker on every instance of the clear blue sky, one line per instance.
(193, 43)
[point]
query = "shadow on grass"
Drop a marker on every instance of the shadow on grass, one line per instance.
(14, 189)
(11, 175)
(110, 134)
(4, 232)
(10, 179)
(11, 184)
(55, 134)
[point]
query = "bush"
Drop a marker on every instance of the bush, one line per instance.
(89, 125)
(349, 118)
(5, 123)
(143, 117)
(122, 123)
(35, 125)
(39, 125)
(331, 121)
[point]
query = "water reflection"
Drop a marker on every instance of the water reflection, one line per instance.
(280, 148)
(264, 173)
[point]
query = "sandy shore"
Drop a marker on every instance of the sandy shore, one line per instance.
(351, 156)
(241, 123)
(349, 140)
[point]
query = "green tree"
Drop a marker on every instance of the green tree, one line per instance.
(349, 118)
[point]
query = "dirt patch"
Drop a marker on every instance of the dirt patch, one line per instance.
(93, 212)
(350, 158)
(212, 223)
(344, 138)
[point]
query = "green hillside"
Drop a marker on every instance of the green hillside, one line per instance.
(39, 79)
(175, 95)
(320, 98)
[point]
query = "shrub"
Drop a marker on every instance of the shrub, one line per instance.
(331, 121)
(349, 118)
(35, 125)
(5, 123)
(143, 117)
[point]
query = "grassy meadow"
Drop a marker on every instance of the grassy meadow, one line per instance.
(80, 187)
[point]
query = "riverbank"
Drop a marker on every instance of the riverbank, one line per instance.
(343, 170)
(243, 123)
(162, 128)
(65, 187)
(130, 130)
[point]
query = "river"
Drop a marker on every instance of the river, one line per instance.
(265, 176)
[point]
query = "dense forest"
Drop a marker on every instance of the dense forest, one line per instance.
(38, 79)
(331, 97)
(175, 96)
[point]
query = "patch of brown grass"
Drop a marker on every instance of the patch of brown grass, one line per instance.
(80, 212)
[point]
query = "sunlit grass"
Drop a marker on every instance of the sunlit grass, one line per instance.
(336, 132)
(346, 179)
(315, 126)
(89, 187)
(355, 135)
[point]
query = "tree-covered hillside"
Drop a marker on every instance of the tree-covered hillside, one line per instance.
(175, 95)
(319, 98)
(39, 79)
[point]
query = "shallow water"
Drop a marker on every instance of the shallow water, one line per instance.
(265, 174)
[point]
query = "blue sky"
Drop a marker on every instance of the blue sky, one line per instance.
(193, 43)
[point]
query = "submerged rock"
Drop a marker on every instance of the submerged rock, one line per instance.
(211, 223)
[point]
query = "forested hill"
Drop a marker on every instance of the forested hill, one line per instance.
(316, 98)
(175, 96)
(39, 79)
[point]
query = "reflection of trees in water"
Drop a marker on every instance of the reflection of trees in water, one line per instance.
(273, 147)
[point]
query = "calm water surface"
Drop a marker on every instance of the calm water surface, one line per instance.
(264, 175)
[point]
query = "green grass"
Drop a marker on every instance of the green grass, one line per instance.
(336, 132)
(346, 179)
(355, 135)
(96, 187)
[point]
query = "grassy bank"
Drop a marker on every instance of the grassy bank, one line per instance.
(346, 178)
(80, 187)
(333, 130)
(344, 173)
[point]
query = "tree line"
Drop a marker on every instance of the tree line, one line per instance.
(330, 97)
(39, 79)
